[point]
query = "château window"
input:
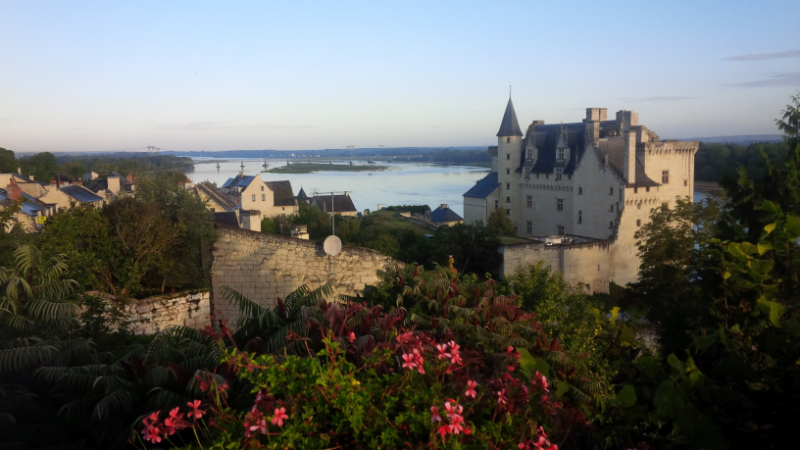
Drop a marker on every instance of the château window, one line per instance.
(508, 185)
(611, 191)
(635, 190)
(529, 200)
(254, 197)
(508, 212)
(527, 172)
(665, 176)
(529, 227)
(647, 189)
(561, 154)
(580, 190)
(665, 206)
(558, 173)
(639, 205)
(685, 182)
(561, 230)
(508, 199)
(508, 139)
(508, 171)
(611, 208)
(580, 216)
(530, 153)
(508, 155)
(263, 197)
(638, 222)
(611, 224)
(559, 204)
(496, 204)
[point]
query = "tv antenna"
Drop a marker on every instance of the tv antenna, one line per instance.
(152, 150)
(351, 150)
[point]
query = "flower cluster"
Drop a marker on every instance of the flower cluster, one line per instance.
(539, 442)
(414, 360)
(456, 423)
(155, 430)
(256, 422)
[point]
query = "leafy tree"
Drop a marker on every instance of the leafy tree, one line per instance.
(268, 226)
(500, 224)
(8, 162)
(42, 166)
(473, 247)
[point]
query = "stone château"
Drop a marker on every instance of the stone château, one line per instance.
(579, 192)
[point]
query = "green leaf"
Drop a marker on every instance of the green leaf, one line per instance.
(775, 311)
(614, 313)
(762, 267)
(563, 387)
(676, 363)
(764, 248)
(628, 395)
(770, 227)
(669, 399)
(530, 364)
(703, 342)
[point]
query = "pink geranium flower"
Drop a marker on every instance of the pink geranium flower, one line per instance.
(352, 337)
(435, 417)
(195, 413)
(471, 385)
(280, 416)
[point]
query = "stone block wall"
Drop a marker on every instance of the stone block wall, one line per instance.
(263, 267)
(154, 314)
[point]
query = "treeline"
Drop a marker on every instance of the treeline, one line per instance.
(713, 162)
(45, 166)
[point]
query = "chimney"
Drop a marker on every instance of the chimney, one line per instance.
(629, 157)
(14, 191)
(380, 206)
(31, 177)
(130, 177)
(444, 205)
(19, 170)
(113, 184)
(78, 182)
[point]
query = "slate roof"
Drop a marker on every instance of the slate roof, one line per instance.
(510, 125)
(282, 192)
(546, 138)
(243, 181)
(213, 192)
(226, 218)
(342, 203)
(228, 183)
(81, 194)
(484, 187)
(442, 215)
(31, 207)
(102, 184)
(302, 194)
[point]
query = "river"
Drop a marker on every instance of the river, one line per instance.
(403, 183)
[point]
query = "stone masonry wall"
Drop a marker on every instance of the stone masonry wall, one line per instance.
(154, 314)
(263, 267)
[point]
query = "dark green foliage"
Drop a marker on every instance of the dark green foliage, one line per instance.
(8, 162)
(413, 209)
(473, 247)
(42, 166)
(500, 224)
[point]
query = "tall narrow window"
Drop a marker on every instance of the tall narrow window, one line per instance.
(263, 197)
(559, 204)
(508, 199)
(508, 212)
(561, 154)
(508, 139)
(530, 153)
(610, 224)
(560, 230)
(508, 185)
(580, 216)
(508, 171)
(580, 190)
(529, 227)
(685, 182)
(527, 172)
(665, 176)
(638, 222)
(508, 155)
(559, 171)
(611, 191)
(254, 197)
(496, 204)
(529, 201)
(611, 208)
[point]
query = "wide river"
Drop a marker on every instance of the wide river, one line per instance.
(403, 183)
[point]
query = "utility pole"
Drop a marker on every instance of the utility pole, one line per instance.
(333, 208)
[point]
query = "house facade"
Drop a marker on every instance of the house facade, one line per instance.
(593, 182)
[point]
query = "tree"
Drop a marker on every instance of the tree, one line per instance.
(42, 166)
(473, 247)
(8, 162)
(500, 224)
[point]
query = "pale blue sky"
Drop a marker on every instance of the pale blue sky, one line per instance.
(86, 75)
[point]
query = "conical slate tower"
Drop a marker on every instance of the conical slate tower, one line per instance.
(510, 125)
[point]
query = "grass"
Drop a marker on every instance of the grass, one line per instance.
(309, 168)
(390, 222)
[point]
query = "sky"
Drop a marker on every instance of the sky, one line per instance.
(290, 75)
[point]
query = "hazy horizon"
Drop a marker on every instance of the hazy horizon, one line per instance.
(204, 76)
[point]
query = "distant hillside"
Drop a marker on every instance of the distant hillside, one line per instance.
(743, 139)
(322, 153)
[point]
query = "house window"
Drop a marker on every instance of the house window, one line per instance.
(263, 197)
(561, 154)
(638, 222)
(611, 191)
(559, 204)
(496, 204)
(508, 155)
(262, 188)
(529, 200)
(508, 171)
(665, 176)
(508, 185)
(560, 230)
(529, 227)
(580, 216)
(530, 153)
(508, 199)
(254, 197)
(212, 210)
(558, 173)
(580, 190)
(635, 190)
(508, 212)
(647, 189)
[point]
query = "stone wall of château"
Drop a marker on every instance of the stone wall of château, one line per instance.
(154, 314)
(586, 263)
(263, 267)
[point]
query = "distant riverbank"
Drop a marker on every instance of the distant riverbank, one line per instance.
(309, 168)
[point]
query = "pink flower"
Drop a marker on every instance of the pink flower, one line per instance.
(151, 433)
(280, 416)
(454, 356)
(261, 426)
(542, 380)
(443, 351)
(410, 361)
(195, 413)
(452, 410)
(443, 430)
(352, 337)
(458, 425)
(501, 397)
(435, 414)
(471, 385)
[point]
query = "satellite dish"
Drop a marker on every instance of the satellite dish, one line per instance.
(332, 245)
